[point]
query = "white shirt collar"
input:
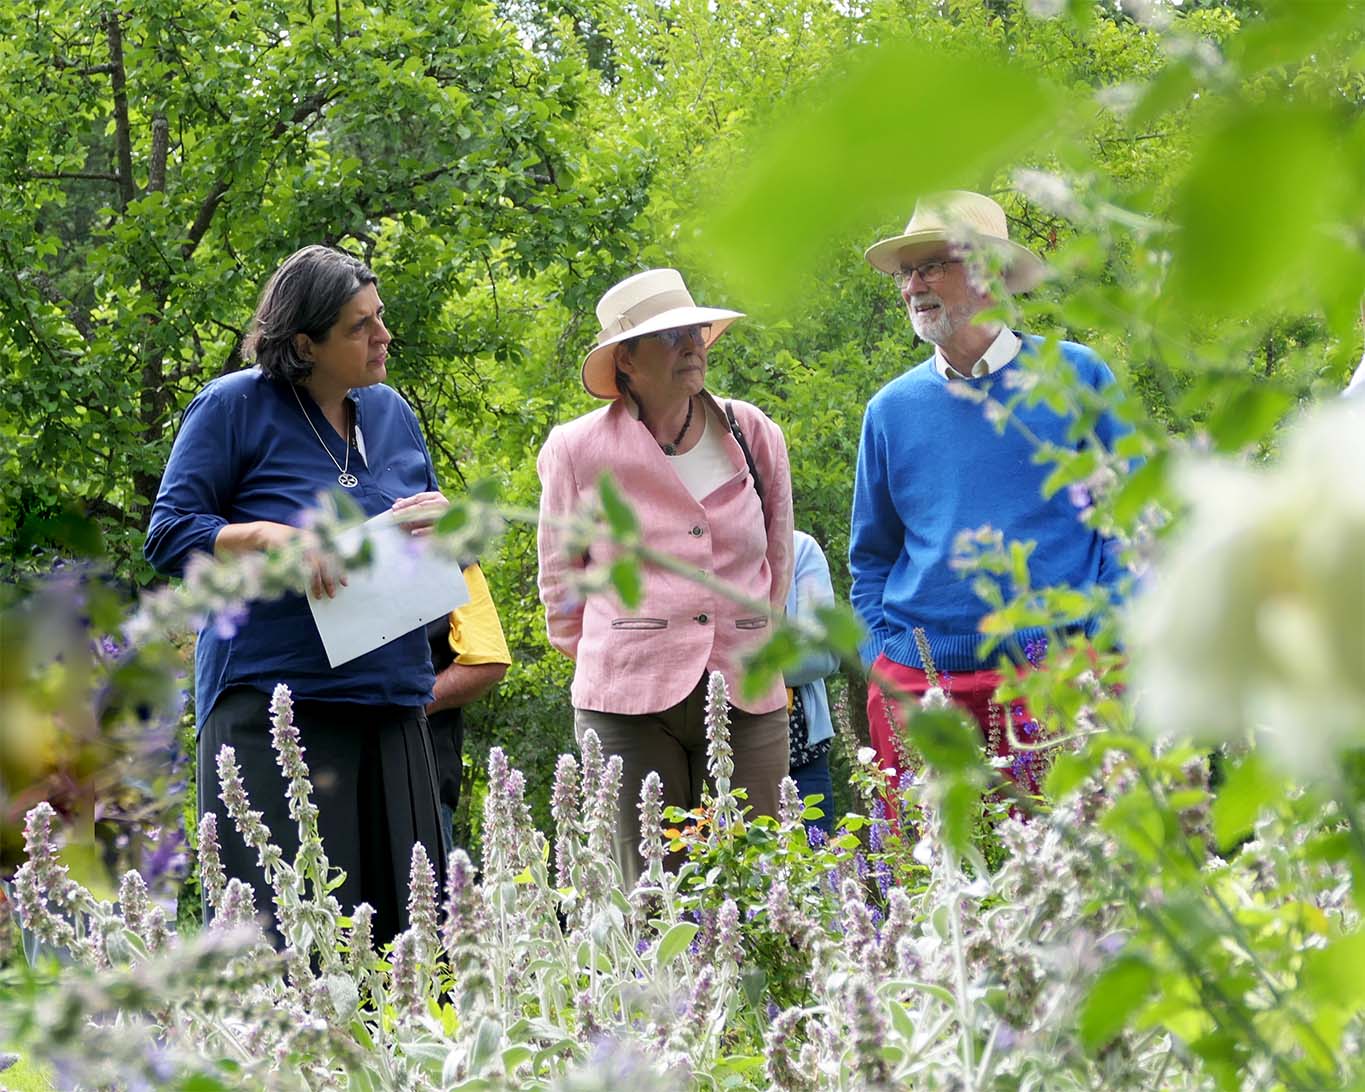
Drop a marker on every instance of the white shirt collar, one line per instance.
(1000, 352)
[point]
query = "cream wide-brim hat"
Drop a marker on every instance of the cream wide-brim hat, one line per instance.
(647, 303)
(962, 218)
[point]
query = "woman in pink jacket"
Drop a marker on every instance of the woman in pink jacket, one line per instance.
(709, 483)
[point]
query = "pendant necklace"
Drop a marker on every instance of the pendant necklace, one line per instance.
(345, 478)
(672, 449)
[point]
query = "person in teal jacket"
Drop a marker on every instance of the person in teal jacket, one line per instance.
(812, 728)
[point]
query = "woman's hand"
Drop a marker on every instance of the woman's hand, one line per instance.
(417, 515)
(263, 535)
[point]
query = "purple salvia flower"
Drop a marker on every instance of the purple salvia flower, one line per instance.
(784, 1073)
(422, 904)
(860, 934)
(519, 813)
(564, 808)
(782, 915)
(588, 1028)
(876, 831)
(789, 803)
(462, 905)
(727, 933)
(360, 940)
(591, 748)
(881, 872)
(254, 832)
(43, 889)
(867, 1032)
(134, 906)
(297, 971)
(168, 859)
(463, 931)
(239, 906)
(899, 918)
(229, 618)
(720, 758)
(405, 974)
(607, 804)
(908, 962)
(498, 837)
(651, 820)
(701, 999)
(211, 875)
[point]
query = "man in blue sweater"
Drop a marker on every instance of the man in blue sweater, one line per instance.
(932, 465)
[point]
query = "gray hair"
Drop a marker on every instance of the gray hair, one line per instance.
(304, 296)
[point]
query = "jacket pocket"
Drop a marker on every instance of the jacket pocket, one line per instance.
(751, 623)
(639, 623)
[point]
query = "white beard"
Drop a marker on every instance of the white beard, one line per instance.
(936, 327)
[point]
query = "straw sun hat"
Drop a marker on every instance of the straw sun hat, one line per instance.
(647, 303)
(967, 219)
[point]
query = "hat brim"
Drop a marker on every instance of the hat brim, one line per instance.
(599, 366)
(1023, 269)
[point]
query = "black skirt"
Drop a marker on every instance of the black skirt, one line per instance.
(374, 784)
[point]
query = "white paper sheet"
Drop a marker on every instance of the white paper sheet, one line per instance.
(405, 586)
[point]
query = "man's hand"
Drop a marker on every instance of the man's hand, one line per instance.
(460, 684)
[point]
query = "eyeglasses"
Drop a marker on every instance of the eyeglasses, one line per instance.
(682, 335)
(930, 272)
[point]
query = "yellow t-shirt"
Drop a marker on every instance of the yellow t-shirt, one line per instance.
(476, 635)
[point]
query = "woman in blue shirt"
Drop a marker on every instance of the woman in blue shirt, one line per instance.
(254, 451)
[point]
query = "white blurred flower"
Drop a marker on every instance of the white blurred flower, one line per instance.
(1255, 623)
(1048, 191)
(866, 755)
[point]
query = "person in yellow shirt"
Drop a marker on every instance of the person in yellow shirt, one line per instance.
(469, 653)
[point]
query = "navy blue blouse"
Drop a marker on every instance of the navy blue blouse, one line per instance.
(246, 453)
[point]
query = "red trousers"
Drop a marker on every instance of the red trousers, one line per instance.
(973, 691)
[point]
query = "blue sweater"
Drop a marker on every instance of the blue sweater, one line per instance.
(244, 452)
(930, 466)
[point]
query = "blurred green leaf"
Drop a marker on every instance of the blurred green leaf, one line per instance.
(778, 653)
(843, 629)
(946, 738)
(620, 516)
(1120, 989)
(625, 578)
(1250, 787)
(863, 124)
(1248, 414)
(1267, 189)
(1067, 772)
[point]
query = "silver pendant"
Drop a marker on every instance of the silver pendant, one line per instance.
(347, 481)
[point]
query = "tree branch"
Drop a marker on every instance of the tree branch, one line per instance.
(75, 68)
(53, 295)
(122, 136)
(210, 204)
(161, 143)
(88, 176)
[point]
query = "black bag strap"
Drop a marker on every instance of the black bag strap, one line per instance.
(738, 434)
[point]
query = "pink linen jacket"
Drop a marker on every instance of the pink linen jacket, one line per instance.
(649, 658)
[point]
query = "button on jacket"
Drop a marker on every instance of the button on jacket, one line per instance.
(647, 658)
